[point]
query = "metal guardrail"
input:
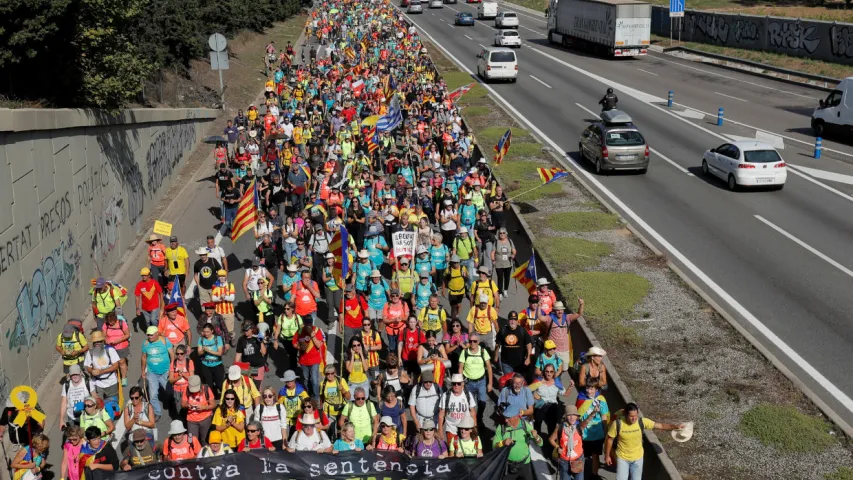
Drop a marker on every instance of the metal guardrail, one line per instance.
(828, 82)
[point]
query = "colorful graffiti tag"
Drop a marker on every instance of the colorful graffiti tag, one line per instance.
(42, 300)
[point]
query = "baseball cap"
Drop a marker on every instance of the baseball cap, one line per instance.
(151, 330)
(195, 384)
(145, 271)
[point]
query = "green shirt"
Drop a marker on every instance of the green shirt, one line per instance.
(474, 364)
(263, 307)
(520, 450)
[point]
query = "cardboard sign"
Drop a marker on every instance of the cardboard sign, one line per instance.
(404, 243)
(163, 228)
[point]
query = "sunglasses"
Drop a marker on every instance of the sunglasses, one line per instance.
(139, 442)
(269, 396)
(366, 324)
(456, 383)
(288, 308)
(252, 431)
(136, 397)
(230, 399)
(460, 428)
(181, 353)
(360, 399)
(427, 429)
(89, 405)
(475, 341)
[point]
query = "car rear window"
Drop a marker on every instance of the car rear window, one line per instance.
(761, 156)
(510, 34)
(624, 138)
(509, 15)
(502, 57)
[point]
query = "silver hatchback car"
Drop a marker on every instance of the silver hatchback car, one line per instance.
(614, 143)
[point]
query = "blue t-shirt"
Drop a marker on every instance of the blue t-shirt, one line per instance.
(287, 281)
(422, 293)
(439, 256)
(362, 274)
(209, 359)
(342, 446)
(423, 266)
(377, 294)
(468, 215)
(377, 256)
(158, 355)
(523, 400)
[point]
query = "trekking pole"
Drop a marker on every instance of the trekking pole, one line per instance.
(7, 460)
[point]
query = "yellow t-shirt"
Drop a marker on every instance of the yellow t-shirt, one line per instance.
(630, 446)
(75, 343)
(482, 319)
(230, 436)
(333, 395)
(176, 260)
(488, 288)
(297, 135)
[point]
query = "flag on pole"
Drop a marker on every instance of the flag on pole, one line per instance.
(502, 147)
(306, 170)
(350, 53)
(525, 274)
(548, 175)
(176, 297)
(454, 95)
(390, 87)
(392, 119)
(247, 212)
(372, 140)
(340, 248)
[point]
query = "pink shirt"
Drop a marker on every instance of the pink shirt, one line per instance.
(113, 333)
(72, 453)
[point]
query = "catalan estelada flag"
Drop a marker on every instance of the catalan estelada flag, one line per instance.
(502, 147)
(372, 140)
(340, 248)
(350, 53)
(176, 297)
(525, 274)
(247, 212)
(548, 175)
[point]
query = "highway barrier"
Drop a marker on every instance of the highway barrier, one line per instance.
(720, 117)
(818, 147)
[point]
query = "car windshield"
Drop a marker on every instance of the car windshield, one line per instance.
(761, 156)
(625, 138)
(502, 57)
(510, 34)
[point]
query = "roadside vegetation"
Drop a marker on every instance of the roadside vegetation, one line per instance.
(833, 11)
(679, 359)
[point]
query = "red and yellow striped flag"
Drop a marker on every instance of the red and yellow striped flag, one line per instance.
(372, 146)
(247, 213)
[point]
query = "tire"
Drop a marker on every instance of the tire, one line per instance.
(580, 151)
(732, 183)
(643, 171)
(819, 129)
(705, 170)
(598, 169)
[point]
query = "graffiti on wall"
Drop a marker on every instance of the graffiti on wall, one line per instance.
(105, 227)
(711, 26)
(42, 300)
(93, 186)
(792, 35)
(166, 151)
(15, 248)
(841, 41)
(56, 215)
(135, 195)
(747, 31)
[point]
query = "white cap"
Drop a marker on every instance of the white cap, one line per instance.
(234, 373)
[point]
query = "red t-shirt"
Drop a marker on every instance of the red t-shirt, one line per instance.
(150, 292)
(262, 442)
(355, 310)
(318, 415)
(312, 356)
(411, 341)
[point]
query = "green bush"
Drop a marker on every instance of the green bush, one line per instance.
(582, 221)
(786, 429)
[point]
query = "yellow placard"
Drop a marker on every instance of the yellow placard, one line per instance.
(25, 409)
(162, 228)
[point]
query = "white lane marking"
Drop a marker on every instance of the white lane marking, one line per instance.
(469, 38)
(534, 31)
(825, 175)
(540, 81)
(653, 101)
(646, 71)
(480, 44)
(191, 287)
(439, 18)
(753, 321)
(770, 138)
(457, 11)
(451, 26)
(690, 113)
(732, 78)
(805, 245)
(729, 96)
(664, 157)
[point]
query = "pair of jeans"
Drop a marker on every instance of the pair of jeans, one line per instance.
(230, 215)
(155, 382)
(311, 378)
(477, 388)
(626, 470)
(152, 318)
(472, 272)
(565, 471)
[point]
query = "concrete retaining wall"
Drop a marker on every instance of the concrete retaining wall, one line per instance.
(76, 187)
(814, 39)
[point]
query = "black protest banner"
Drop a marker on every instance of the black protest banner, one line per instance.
(259, 464)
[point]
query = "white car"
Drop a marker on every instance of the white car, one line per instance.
(746, 164)
(436, 4)
(506, 20)
(507, 38)
(415, 7)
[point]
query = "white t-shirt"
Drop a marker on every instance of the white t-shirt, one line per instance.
(458, 407)
(75, 394)
(109, 357)
(216, 253)
(254, 276)
(263, 228)
(304, 443)
(425, 402)
(272, 421)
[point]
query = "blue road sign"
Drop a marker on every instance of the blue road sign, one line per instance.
(676, 8)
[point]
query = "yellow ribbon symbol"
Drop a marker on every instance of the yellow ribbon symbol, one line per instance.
(25, 409)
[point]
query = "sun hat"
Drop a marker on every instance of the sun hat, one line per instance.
(363, 253)
(221, 273)
(375, 274)
(145, 271)
(572, 410)
(457, 378)
(683, 434)
(201, 251)
(177, 428)
(483, 269)
(214, 437)
(308, 419)
(596, 351)
(75, 370)
(386, 420)
(152, 238)
(427, 424)
(289, 376)
(139, 435)
(151, 330)
(234, 373)
(427, 377)
(97, 336)
(559, 306)
(542, 281)
(466, 422)
(292, 268)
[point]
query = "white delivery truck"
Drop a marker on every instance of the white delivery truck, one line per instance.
(487, 10)
(618, 28)
(835, 114)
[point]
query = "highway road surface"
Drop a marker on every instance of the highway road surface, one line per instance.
(778, 262)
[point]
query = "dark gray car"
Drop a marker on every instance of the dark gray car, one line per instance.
(614, 144)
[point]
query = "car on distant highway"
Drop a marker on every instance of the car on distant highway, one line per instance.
(746, 164)
(506, 20)
(404, 3)
(497, 64)
(614, 143)
(473, 1)
(464, 18)
(507, 38)
(436, 4)
(415, 7)
(450, 1)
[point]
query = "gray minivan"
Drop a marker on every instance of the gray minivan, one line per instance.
(614, 143)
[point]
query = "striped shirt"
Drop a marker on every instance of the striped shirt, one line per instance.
(223, 307)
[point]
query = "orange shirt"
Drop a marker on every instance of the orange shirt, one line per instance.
(203, 398)
(157, 255)
(186, 450)
(398, 312)
(303, 298)
(174, 331)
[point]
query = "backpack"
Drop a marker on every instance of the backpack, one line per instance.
(470, 244)
(523, 427)
(618, 416)
(371, 410)
(323, 389)
(471, 400)
(418, 389)
(456, 445)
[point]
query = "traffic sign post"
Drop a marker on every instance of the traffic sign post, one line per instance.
(676, 10)
(219, 59)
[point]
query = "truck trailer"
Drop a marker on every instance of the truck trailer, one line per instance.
(617, 28)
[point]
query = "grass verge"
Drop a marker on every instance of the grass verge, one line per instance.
(842, 473)
(786, 429)
(610, 297)
(799, 64)
(519, 176)
(572, 254)
(582, 221)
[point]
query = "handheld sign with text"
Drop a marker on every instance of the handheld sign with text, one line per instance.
(404, 243)
(162, 228)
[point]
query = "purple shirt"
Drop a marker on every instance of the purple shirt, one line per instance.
(421, 449)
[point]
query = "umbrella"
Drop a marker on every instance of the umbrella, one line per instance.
(370, 121)
(214, 139)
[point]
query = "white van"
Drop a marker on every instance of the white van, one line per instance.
(487, 10)
(497, 64)
(836, 112)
